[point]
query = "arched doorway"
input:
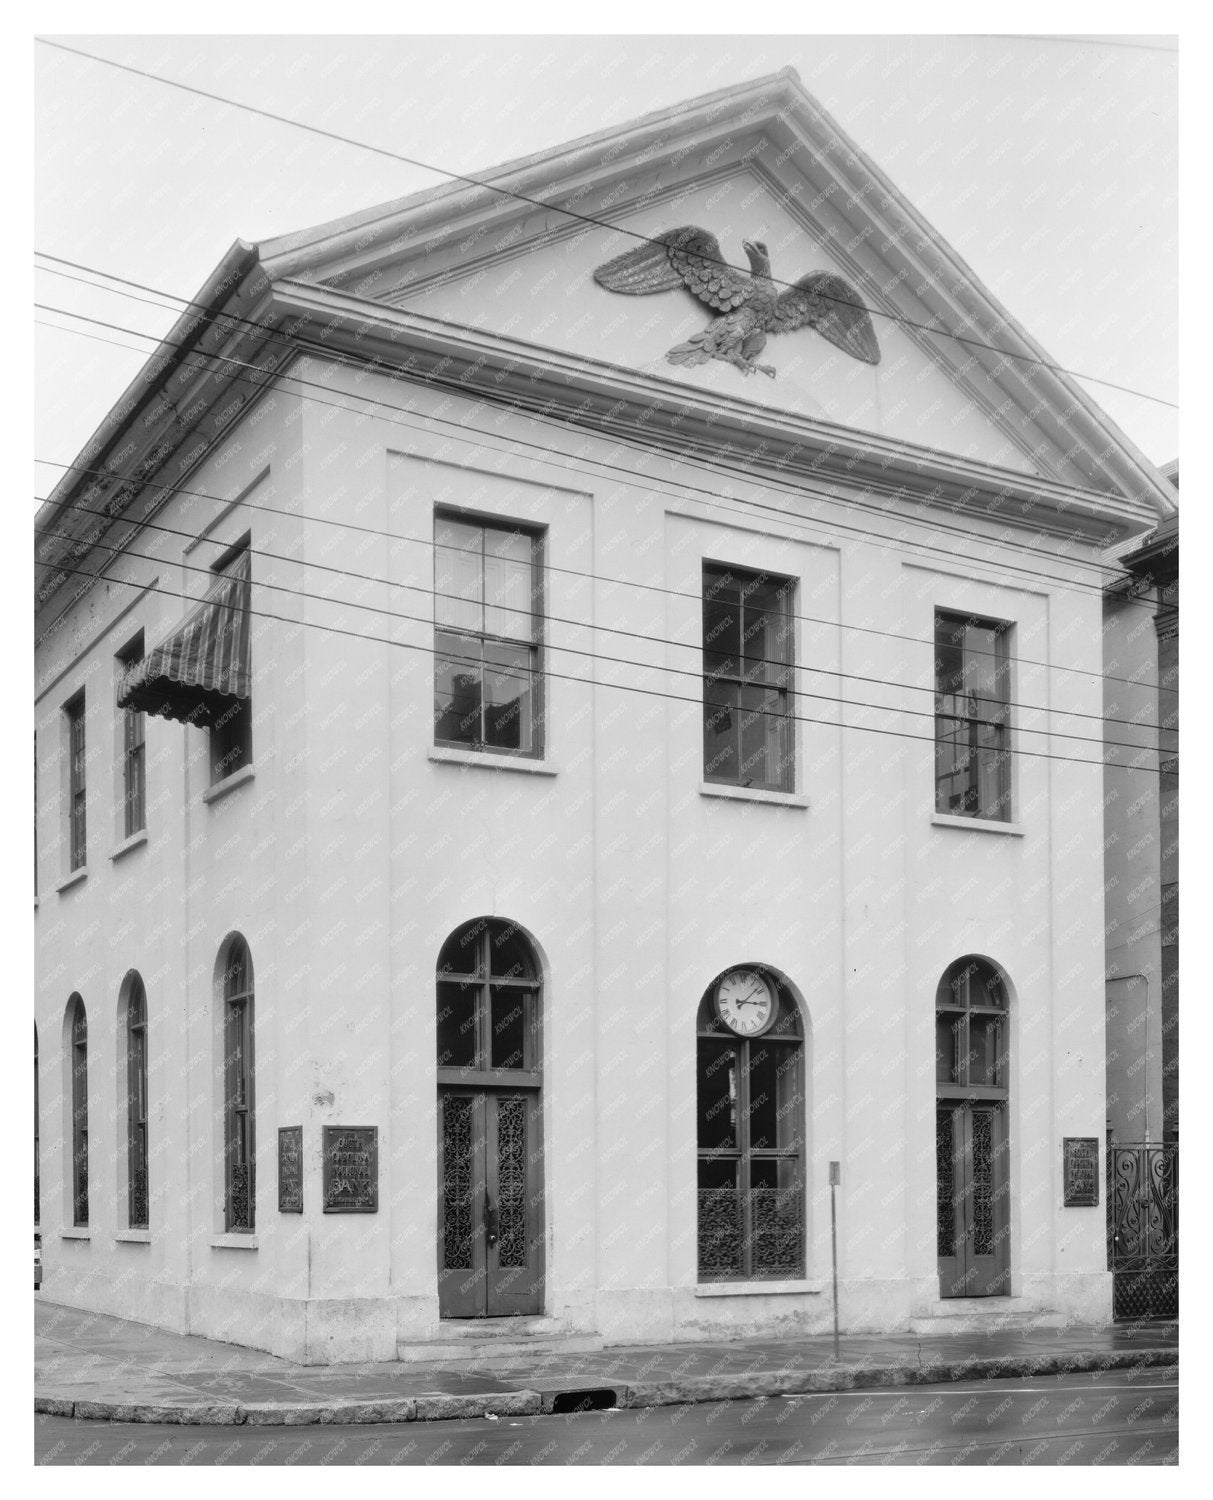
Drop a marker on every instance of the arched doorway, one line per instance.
(490, 1133)
(971, 1149)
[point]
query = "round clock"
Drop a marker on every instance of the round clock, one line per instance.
(745, 1002)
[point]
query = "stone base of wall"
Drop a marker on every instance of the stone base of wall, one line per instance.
(351, 1330)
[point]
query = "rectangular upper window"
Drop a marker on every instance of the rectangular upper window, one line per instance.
(747, 679)
(972, 717)
(488, 634)
(134, 774)
(76, 798)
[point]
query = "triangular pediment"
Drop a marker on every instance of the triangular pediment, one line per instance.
(514, 252)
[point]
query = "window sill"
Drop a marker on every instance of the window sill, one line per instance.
(448, 754)
(136, 841)
(75, 878)
(759, 1288)
(752, 794)
(80, 1233)
(134, 1237)
(979, 825)
(228, 784)
(234, 1241)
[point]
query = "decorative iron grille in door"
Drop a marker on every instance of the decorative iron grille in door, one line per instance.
(1143, 1230)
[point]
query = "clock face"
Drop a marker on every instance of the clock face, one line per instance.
(745, 1002)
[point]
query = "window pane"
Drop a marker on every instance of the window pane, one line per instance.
(458, 574)
(508, 1016)
(945, 1048)
(717, 1095)
(765, 740)
(986, 1050)
(776, 1105)
(461, 951)
(457, 1025)
(507, 696)
(720, 735)
(510, 955)
(764, 1103)
(981, 662)
(767, 633)
(718, 1172)
(508, 585)
(721, 627)
(949, 656)
(456, 689)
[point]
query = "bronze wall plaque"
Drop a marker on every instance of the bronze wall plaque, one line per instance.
(290, 1169)
(351, 1169)
(1080, 1163)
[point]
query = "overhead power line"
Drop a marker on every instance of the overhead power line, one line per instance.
(713, 466)
(698, 673)
(595, 625)
(629, 687)
(573, 214)
(272, 336)
(344, 524)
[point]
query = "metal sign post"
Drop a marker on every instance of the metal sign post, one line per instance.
(835, 1178)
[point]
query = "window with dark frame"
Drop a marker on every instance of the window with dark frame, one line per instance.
(488, 636)
(231, 734)
(488, 1000)
(136, 1104)
(76, 800)
(750, 1110)
(238, 1117)
(972, 717)
(79, 1095)
(134, 794)
(748, 666)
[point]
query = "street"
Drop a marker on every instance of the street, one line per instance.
(1123, 1417)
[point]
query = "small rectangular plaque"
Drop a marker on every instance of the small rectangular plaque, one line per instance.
(1080, 1163)
(290, 1169)
(351, 1169)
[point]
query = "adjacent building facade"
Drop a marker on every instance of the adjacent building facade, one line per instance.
(512, 809)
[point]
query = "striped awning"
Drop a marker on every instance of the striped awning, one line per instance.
(199, 671)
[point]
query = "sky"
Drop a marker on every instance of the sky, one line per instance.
(1049, 163)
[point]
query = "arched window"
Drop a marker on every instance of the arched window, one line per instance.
(238, 1120)
(136, 1103)
(972, 1188)
(751, 1122)
(77, 1027)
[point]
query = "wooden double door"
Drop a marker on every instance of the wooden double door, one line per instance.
(973, 1196)
(490, 1202)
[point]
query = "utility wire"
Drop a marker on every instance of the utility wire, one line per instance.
(546, 453)
(624, 687)
(307, 518)
(699, 673)
(647, 636)
(272, 336)
(631, 475)
(549, 207)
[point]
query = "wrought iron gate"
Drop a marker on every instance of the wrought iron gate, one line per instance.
(1143, 1230)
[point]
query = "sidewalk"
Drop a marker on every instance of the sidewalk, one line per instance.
(88, 1365)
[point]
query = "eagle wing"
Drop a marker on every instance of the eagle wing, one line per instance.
(688, 257)
(834, 308)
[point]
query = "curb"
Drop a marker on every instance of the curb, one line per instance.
(528, 1403)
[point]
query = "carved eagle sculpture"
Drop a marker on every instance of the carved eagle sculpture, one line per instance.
(750, 306)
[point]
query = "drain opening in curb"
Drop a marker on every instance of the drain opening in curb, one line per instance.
(566, 1402)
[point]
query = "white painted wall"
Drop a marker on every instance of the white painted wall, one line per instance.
(355, 850)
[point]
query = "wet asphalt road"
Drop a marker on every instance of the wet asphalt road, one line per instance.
(1108, 1419)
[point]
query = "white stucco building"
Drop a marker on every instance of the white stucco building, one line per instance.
(614, 789)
